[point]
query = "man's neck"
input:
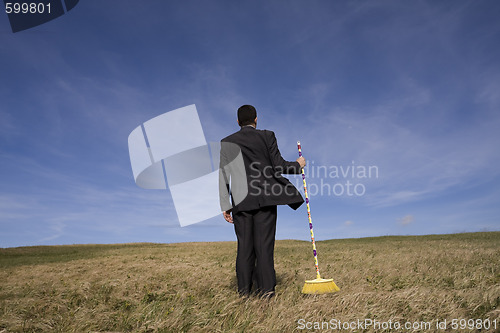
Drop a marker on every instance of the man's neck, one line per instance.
(251, 125)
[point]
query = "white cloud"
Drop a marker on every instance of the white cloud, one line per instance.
(415, 159)
(406, 220)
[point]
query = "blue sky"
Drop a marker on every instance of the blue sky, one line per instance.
(410, 87)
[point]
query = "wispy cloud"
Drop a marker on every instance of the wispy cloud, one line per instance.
(414, 160)
(406, 220)
(59, 202)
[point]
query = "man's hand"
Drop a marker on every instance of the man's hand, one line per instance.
(302, 161)
(227, 216)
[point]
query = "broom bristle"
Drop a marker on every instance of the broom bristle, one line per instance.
(320, 286)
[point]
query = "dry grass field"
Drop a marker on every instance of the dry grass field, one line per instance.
(190, 287)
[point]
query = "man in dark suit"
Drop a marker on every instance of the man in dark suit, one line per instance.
(250, 177)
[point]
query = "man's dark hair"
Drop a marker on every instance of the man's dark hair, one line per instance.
(246, 115)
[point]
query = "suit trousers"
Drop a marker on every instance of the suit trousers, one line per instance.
(256, 231)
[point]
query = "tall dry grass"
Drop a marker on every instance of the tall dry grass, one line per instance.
(191, 287)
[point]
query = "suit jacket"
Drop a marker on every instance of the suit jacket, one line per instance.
(250, 172)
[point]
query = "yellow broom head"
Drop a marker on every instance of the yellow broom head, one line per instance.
(319, 286)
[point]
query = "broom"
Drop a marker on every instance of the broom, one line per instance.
(318, 285)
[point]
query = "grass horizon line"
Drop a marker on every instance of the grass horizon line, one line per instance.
(229, 241)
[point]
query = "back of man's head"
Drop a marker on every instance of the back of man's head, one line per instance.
(246, 115)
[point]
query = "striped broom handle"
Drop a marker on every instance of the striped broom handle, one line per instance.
(309, 216)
